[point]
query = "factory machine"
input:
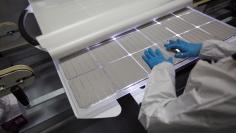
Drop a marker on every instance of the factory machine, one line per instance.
(96, 46)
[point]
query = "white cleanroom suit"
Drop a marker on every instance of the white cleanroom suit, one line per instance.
(208, 104)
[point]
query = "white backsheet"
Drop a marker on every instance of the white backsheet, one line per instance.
(71, 25)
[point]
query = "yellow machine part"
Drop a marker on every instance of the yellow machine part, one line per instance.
(20, 75)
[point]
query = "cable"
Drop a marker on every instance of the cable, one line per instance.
(21, 25)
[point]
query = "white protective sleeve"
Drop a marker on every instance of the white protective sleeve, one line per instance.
(208, 105)
(215, 49)
(3, 106)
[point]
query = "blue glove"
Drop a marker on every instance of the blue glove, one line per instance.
(186, 49)
(154, 58)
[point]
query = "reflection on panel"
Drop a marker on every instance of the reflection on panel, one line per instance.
(157, 33)
(219, 30)
(196, 18)
(134, 42)
(83, 96)
(108, 52)
(125, 72)
(77, 65)
(69, 70)
(196, 36)
(177, 25)
(92, 87)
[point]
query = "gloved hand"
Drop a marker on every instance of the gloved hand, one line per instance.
(154, 58)
(186, 49)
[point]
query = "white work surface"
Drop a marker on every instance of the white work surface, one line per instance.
(96, 76)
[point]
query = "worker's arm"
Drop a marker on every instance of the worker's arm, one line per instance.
(159, 92)
(210, 49)
(210, 103)
(215, 49)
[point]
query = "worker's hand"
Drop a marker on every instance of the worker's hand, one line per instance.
(154, 58)
(186, 49)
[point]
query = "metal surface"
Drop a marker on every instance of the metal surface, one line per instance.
(46, 97)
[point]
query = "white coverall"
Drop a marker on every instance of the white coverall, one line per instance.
(208, 104)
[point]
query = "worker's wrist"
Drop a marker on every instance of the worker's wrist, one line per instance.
(198, 47)
(164, 63)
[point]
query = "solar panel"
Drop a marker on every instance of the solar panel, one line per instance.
(196, 18)
(117, 64)
(197, 36)
(219, 30)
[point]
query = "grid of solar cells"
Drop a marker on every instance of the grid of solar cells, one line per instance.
(102, 71)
